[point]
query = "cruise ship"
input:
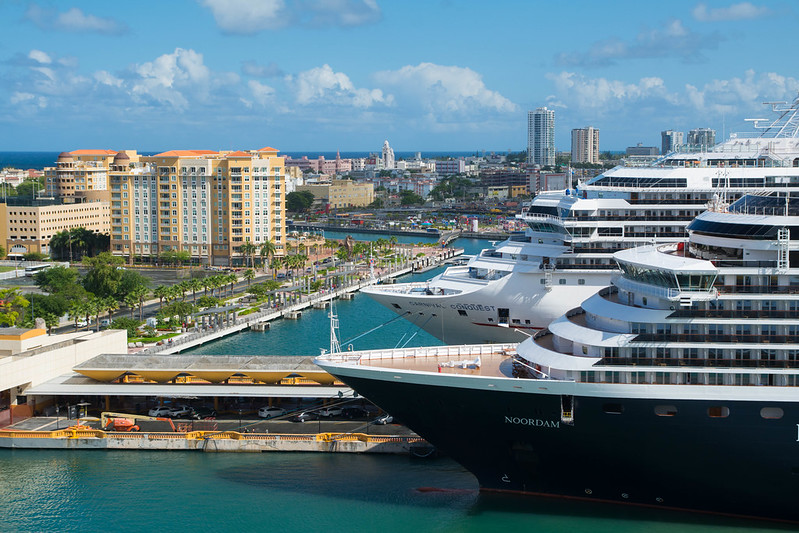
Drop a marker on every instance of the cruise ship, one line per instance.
(514, 289)
(677, 386)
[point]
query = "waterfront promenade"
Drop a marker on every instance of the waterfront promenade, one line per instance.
(227, 321)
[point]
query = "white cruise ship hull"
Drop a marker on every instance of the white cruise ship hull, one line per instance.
(509, 309)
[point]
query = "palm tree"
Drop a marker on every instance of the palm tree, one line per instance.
(183, 287)
(130, 301)
(77, 310)
(110, 305)
(249, 275)
(247, 250)
(139, 293)
(232, 278)
(275, 265)
(268, 250)
(96, 306)
(195, 285)
(161, 292)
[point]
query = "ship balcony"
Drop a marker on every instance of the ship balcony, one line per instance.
(704, 338)
(713, 362)
(416, 289)
(673, 294)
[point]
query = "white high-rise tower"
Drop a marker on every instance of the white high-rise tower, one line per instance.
(541, 137)
(388, 156)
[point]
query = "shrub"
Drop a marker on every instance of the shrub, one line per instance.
(130, 324)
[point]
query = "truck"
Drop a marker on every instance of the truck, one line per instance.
(126, 422)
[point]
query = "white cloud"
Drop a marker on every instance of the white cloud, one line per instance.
(28, 99)
(263, 94)
(40, 57)
(600, 94)
(248, 17)
(256, 70)
(740, 11)
(443, 90)
(672, 39)
(743, 94)
(321, 85)
(73, 20)
(103, 77)
(164, 79)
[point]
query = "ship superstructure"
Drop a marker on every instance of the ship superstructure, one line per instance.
(676, 386)
(514, 289)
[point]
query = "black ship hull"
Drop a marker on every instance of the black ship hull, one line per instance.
(616, 450)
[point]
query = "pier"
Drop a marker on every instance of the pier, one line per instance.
(74, 438)
(226, 321)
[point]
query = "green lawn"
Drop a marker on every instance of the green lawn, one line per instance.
(6, 268)
(153, 339)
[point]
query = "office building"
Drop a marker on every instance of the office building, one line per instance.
(340, 194)
(670, 141)
(701, 139)
(541, 137)
(205, 202)
(585, 145)
(640, 149)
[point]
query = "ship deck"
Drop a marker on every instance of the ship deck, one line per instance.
(494, 360)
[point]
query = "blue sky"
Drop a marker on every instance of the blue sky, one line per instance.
(347, 74)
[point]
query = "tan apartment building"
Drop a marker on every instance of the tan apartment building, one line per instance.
(79, 173)
(341, 193)
(27, 226)
(205, 202)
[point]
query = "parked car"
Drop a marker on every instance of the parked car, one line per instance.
(271, 412)
(330, 411)
(204, 413)
(304, 417)
(352, 413)
(162, 410)
(180, 411)
(104, 323)
(383, 419)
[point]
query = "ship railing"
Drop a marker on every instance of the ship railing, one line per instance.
(734, 313)
(657, 363)
(466, 350)
(758, 289)
(735, 338)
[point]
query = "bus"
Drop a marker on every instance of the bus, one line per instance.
(31, 271)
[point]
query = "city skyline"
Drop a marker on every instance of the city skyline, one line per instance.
(322, 75)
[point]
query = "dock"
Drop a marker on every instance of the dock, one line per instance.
(213, 441)
(230, 323)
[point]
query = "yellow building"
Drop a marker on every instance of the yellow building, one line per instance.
(204, 202)
(28, 226)
(78, 172)
(341, 193)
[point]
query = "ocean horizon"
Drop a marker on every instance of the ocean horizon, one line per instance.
(40, 159)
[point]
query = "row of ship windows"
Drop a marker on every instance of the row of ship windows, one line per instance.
(720, 411)
(665, 377)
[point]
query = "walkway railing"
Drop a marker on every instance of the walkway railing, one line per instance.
(295, 304)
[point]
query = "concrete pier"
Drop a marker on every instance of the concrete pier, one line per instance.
(204, 441)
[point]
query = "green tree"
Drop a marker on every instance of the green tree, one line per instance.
(267, 251)
(139, 294)
(249, 275)
(410, 198)
(104, 275)
(161, 292)
(195, 285)
(34, 256)
(129, 324)
(275, 265)
(2, 252)
(56, 278)
(248, 249)
(130, 281)
(12, 303)
(299, 201)
(181, 309)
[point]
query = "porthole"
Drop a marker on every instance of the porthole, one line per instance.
(771, 413)
(665, 410)
(718, 412)
(613, 408)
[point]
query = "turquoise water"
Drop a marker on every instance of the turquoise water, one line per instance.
(311, 332)
(92, 491)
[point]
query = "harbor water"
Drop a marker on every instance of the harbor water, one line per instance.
(94, 491)
(88, 491)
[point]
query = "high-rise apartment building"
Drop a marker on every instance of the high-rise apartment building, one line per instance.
(80, 173)
(670, 141)
(701, 138)
(541, 137)
(204, 202)
(585, 145)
